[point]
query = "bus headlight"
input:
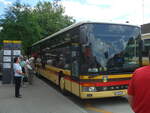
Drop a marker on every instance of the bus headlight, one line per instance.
(92, 89)
(111, 87)
(126, 86)
(117, 87)
(88, 89)
(105, 88)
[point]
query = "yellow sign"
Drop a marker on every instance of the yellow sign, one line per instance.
(12, 41)
(17, 42)
(7, 41)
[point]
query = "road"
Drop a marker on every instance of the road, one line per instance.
(105, 105)
(45, 97)
(36, 98)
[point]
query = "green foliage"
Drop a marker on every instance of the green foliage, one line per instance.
(50, 17)
(29, 25)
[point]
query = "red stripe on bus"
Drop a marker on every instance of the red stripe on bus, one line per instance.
(125, 82)
(69, 78)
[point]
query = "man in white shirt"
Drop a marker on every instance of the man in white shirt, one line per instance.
(18, 75)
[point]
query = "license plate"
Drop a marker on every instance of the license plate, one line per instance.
(118, 93)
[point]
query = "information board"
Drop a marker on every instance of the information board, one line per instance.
(16, 52)
(7, 65)
(6, 59)
(7, 52)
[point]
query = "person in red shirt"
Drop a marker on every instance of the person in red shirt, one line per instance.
(139, 90)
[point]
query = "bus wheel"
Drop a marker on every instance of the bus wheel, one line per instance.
(62, 85)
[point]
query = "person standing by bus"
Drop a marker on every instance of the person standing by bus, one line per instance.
(18, 76)
(138, 90)
(30, 70)
(23, 66)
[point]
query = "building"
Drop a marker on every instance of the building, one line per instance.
(145, 29)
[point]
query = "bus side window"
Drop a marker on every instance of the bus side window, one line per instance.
(83, 34)
(75, 60)
(75, 64)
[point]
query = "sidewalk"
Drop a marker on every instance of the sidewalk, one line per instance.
(37, 98)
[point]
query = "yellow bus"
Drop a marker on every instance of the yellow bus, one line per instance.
(90, 59)
(146, 49)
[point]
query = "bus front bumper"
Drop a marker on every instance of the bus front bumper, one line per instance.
(102, 94)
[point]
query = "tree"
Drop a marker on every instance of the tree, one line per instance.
(51, 17)
(22, 22)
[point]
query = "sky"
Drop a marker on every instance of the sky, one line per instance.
(137, 12)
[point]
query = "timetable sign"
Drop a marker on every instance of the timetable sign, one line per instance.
(7, 52)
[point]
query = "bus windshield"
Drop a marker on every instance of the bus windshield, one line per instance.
(109, 48)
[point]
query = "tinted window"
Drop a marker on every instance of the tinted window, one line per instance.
(109, 48)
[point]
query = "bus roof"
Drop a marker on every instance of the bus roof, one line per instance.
(75, 25)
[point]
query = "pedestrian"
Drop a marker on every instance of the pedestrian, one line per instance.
(18, 76)
(139, 90)
(29, 71)
(23, 65)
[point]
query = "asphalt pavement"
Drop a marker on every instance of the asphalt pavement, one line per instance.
(37, 98)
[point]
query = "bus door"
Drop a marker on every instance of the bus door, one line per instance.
(75, 68)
